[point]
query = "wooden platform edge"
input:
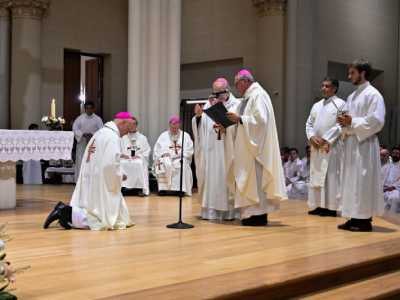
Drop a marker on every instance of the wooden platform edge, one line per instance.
(285, 280)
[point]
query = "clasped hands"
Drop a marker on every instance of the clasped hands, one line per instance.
(320, 143)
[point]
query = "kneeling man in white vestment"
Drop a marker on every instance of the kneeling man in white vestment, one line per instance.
(97, 202)
(167, 159)
(324, 135)
(252, 153)
(135, 160)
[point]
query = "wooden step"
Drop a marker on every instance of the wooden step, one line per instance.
(286, 280)
(380, 287)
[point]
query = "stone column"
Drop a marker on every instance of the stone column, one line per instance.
(299, 70)
(270, 70)
(26, 78)
(4, 65)
(154, 63)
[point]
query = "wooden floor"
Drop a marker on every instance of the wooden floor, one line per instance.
(150, 259)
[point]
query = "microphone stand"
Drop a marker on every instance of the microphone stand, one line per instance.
(180, 224)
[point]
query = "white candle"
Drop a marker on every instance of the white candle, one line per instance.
(53, 109)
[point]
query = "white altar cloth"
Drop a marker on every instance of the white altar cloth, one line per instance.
(26, 145)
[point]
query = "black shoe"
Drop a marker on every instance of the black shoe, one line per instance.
(347, 225)
(258, 220)
(328, 213)
(65, 218)
(361, 225)
(54, 215)
(315, 212)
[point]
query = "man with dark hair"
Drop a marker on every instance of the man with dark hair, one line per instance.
(363, 119)
(84, 127)
(295, 183)
(391, 181)
(284, 155)
(323, 133)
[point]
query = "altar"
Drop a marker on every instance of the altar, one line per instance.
(28, 145)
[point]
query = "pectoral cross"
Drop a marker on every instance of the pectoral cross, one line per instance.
(176, 147)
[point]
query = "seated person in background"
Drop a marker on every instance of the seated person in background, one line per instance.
(284, 155)
(32, 169)
(135, 160)
(295, 184)
(166, 159)
(391, 182)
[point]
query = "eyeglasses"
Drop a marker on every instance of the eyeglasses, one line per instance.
(219, 94)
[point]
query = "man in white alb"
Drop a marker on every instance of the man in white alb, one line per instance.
(216, 201)
(255, 171)
(362, 195)
(84, 127)
(296, 185)
(324, 135)
(391, 182)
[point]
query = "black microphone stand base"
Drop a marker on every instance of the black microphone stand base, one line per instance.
(180, 225)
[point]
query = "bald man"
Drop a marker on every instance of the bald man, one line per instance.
(256, 171)
(209, 146)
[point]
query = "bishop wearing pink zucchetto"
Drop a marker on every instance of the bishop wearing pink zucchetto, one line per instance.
(256, 172)
(166, 160)
(97, 202)
(211, 161)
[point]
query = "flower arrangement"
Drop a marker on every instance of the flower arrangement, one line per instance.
(52, 122)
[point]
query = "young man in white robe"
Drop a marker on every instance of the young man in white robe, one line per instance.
(391, 183)
(362, 195)
(296, 185)
(167, 160)
(324, 135)
(84, 127)
(135, 160)
(252, 153)
(216, 201)
(97, 202)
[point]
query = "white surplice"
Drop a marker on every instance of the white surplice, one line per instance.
(362, 195)
(325, 168)
(167, 165)
(216, 201)
(254, 163)
(32, 172)
(84, 124)
(391, 173)
(136, 168)
(97, 194)
(296, 185)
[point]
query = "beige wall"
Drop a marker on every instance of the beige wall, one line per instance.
(94, 26)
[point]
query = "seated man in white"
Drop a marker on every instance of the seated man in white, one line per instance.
(32, 169)
(135, 160)
(166, 159)
(296, 185)
(391, 182)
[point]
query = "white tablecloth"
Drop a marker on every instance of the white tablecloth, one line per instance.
(28, 145)
(35, 144)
